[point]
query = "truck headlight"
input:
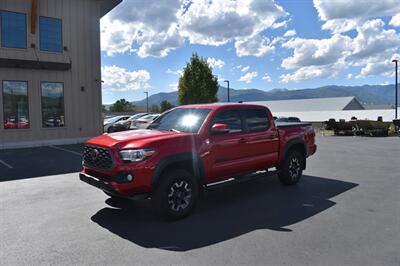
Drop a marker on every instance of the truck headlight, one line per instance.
(136, 155)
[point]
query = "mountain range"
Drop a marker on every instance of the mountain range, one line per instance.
(368, 95)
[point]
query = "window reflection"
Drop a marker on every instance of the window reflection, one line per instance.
(53, 104)
(15, 104)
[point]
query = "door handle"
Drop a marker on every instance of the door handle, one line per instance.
(242, 140)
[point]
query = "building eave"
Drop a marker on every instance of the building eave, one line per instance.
(108, 5)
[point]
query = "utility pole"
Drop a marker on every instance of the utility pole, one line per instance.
(147, 101)
(396, 85)
(229, 98)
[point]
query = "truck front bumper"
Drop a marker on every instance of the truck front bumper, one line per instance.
(108, 187)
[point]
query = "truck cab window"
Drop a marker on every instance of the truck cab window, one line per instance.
(230, 117)
(256, 119)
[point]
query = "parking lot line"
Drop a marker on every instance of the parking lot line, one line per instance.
(6, 164)
(66, 150)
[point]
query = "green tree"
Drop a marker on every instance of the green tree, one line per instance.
(154, 108)
(122, 106)
(197, 84)
(165, 106)
(103, 108)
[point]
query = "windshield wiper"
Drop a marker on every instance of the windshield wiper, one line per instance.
(174, 130)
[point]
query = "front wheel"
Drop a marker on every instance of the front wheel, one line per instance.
(176, 195)
(292, 168)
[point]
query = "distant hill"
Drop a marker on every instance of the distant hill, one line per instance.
(369, 95)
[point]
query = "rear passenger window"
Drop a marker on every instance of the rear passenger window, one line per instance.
(231, 118)
(256, 119)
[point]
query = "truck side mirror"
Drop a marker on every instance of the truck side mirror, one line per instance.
(220, 129)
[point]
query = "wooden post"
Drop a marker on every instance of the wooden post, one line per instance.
(33, 16)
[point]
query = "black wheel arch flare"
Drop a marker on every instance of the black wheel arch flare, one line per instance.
(197, 167)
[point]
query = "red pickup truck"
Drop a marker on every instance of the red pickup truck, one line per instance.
(191, 147)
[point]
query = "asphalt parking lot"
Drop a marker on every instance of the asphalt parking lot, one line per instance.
(345, 211)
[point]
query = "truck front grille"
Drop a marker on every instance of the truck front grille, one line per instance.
(97, 157)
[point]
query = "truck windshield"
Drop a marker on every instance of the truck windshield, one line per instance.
(181, 120)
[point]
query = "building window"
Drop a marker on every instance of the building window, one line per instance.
(13, 29)
(15, 104)
(53, 104)
(50, 33)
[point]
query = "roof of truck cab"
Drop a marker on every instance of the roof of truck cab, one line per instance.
(215, 106)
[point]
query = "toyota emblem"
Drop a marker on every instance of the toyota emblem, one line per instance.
(94, 154)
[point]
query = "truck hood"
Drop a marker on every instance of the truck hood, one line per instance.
(133, 138)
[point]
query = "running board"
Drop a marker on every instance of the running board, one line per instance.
(241, 179)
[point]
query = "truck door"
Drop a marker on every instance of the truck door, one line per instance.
(227, 150)
(261, 140)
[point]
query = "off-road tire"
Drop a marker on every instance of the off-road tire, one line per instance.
(175, 196)
(292, 168)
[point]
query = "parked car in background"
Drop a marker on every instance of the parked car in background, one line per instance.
(108, 123)
(288, 119)
(144, 121)
(126, 124)
(191, 147)
(13, 123)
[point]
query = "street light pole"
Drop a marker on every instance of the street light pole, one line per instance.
(396, 84)
(229, 98)
(147, 101)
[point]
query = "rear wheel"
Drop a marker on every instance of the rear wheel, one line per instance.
(176, 195)
(110, 129)
(292, 168)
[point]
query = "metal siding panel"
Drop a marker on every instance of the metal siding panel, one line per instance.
(82, 109)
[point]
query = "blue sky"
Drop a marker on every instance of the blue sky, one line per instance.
(262, 44)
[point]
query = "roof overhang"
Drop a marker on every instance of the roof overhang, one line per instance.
(108, 5)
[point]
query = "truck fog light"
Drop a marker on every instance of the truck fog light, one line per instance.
(129, 178)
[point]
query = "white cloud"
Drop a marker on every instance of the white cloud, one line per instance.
(173, 86)
(290, 33)
(120, 79)
(371, 49)
(255, 46)
(177, 72)
(347, 9)
(159, 45)
(372, 69)
(267, 77)
(309, 52)
(248, 77)
(245, 69)
(345, 15)
(341, 25)
(215, 63)
(281, 24)
(395, 21)
(373, 40)
(219, 21)
(151, 25)
(154, 28)
(381, 67)
(312, 72)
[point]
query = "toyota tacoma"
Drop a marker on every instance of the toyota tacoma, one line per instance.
(191, 147)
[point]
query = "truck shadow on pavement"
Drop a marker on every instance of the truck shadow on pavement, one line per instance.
(224, 214)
